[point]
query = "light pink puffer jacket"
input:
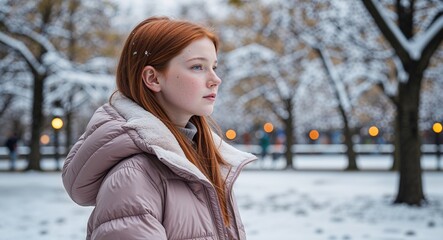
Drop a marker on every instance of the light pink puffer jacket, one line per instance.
(131, 168)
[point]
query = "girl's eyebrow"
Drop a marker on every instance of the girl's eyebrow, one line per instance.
(199, 58)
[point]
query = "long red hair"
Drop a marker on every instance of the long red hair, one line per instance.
(155, 41)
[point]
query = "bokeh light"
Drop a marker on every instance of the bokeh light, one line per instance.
(57, 123)
(44, 139)
(268, 127)
(437, 127)
(231, 134)
(373, 131)
(314, 134)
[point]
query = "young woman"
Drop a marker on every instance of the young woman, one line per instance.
(148, 160)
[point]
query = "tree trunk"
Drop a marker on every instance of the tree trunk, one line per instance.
(350, 153)
(37, 123)
(410, 189)
(68, 130)
(408, 140)
(6, 102)
(396, 153)
(289, 131)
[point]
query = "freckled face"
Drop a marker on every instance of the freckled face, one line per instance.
(190, 84)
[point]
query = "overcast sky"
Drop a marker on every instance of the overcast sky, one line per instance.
(137, 10)
(133, 11)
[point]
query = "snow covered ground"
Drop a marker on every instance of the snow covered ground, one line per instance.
(336, 205)
(301, 205)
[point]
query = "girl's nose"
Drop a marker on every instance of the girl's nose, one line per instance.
(214, 80)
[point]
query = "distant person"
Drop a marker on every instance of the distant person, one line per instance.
(265, 142)
(11, 144)
(149, 161)
(246, 137)
(278, 147)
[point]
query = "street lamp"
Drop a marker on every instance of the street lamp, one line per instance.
(44, 139)
(231, 134)
(268, 127)
(57, 124)
(437, 128)
(373, 131)
(314, 134)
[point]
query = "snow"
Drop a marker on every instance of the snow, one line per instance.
(394, 29)
(37, 37)
(419, 42)
(416, 45)
(306, 205)
(316, 205)
(335, 79)
(23, 50)
(259, 60)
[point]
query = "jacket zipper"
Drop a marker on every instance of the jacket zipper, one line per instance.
(234, 217)
(205, 186)
(231, 185)
(211, 210)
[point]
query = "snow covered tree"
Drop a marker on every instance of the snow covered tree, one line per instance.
(290, 48)
(431, 97)
(348, 70)
(416, 36)
(13, 81)
(81, 41)
(268, 65)
(41, 33)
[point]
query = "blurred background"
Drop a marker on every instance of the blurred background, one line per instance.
(302, 79)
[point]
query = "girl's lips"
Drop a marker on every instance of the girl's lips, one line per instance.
(213, 95)
(210, 96)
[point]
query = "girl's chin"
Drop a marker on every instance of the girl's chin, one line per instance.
(204, 114)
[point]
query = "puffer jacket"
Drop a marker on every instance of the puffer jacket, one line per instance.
(131, 168)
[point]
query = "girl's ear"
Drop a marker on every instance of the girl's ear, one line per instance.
(150, 78)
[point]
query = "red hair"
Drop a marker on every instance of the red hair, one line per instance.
(154, 42)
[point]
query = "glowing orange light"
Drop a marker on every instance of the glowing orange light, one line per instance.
(57, 123)
(44, 139)
(437, 127)
(231, 134)
(373, 131)
(314, 134)
(268, 127)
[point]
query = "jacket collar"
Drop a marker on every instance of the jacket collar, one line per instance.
(151, 135)
(189, 131)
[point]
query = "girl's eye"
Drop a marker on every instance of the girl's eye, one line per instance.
(197, 67)
(214, 68)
